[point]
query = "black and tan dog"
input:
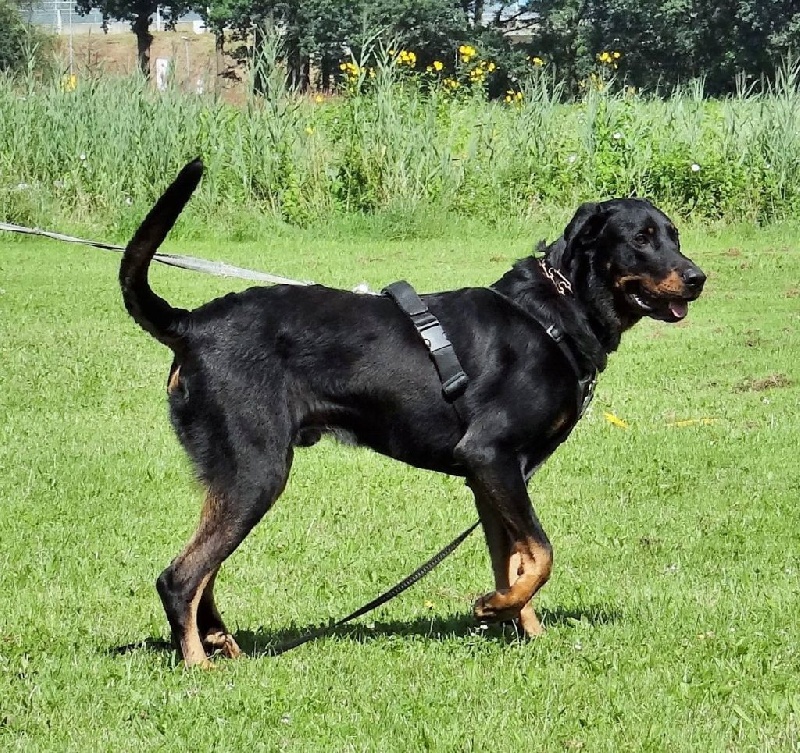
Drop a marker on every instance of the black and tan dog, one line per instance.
(258, 373)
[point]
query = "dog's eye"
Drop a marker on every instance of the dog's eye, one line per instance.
(641, 239)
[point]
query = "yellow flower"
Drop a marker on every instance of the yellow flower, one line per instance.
(408, 58)
(318, 99)
(309, 130)
(467, 52)
(438, 65)
(490, 67)
(612, 419)
(69, 83)
(616, 55)
(537, 61)
(451, 83)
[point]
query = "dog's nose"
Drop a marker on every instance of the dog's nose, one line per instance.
(693, 278)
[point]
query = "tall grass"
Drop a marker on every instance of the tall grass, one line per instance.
(393, 142)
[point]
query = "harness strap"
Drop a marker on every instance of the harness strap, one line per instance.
(586, 379)
(454, 380)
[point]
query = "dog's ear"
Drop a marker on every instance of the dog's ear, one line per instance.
(583, 229)
(587, 219)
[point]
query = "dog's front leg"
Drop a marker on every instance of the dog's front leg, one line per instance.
(520, 551)
(506, 561)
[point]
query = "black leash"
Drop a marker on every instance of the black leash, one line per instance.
(404, 584)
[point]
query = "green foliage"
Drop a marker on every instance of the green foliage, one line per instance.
(138, 13)
(397, 142)
(664, 44)
(13, 38)
(22, 47)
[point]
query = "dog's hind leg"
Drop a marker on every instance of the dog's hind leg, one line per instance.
(227, 518)
(213, 633)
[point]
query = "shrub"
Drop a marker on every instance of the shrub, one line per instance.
(22, 47)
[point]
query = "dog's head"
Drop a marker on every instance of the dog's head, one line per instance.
(635, 251)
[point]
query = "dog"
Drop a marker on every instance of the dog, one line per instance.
(258, 373)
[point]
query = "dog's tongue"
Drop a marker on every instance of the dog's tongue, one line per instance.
(679, 309)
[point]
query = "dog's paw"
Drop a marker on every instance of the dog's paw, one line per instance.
(490, 608)
(529, 623)
(203, 664)
(222, 643)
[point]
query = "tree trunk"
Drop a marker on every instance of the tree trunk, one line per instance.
(477, 18)
(141, 28)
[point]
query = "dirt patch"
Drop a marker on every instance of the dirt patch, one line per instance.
(766, 383)
(194, 63)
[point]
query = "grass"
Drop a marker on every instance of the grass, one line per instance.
(390, 144)
(671, 614)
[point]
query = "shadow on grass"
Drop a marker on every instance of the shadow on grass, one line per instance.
(263, 642)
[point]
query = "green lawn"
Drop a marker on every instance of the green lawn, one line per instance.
(672, 613)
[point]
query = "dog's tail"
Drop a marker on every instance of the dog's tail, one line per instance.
(152, 313)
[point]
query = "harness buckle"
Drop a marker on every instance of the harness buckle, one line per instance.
(555, 333)
(433, 335)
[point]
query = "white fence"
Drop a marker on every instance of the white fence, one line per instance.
(60, 17)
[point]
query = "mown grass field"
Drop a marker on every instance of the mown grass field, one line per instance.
(672, 611)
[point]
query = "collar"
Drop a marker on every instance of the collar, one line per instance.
(562, 285)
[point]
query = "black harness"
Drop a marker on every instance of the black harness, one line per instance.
(452, 376)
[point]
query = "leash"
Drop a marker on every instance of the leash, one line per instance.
(217, 268)
(403, 585)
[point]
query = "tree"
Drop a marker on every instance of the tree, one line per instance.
(312, 30)
(560, 35)
(668, 42)
(13, 36)
(322, 32)
(138, 13)
(433, 29)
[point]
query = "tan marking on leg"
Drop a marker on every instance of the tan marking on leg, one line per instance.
(213, 633)
(191, 644)
(174, 380)
(528, 620)
(536, 563)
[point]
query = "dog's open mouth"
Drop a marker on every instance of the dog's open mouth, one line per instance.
(665, 309)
